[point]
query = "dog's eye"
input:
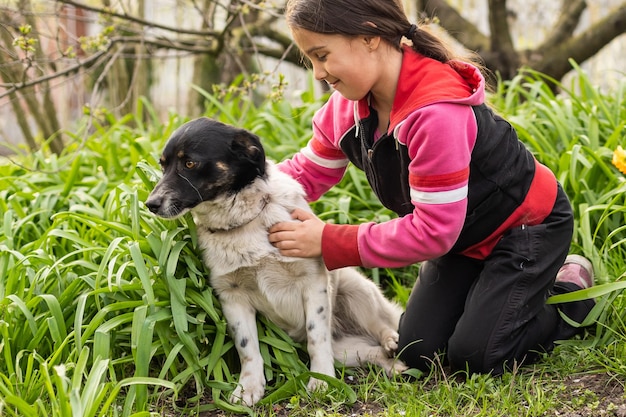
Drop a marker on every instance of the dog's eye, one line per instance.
(190, 164)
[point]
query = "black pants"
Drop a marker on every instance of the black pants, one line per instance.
(486, 315)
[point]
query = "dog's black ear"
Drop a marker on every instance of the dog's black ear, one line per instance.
(247, 147)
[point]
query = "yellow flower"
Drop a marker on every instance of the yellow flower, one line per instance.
(619, 159)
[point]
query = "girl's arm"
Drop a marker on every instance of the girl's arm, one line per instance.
(440, 139)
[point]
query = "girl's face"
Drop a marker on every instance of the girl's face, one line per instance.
(348, 65)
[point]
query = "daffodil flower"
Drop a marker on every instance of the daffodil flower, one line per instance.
(619, 159)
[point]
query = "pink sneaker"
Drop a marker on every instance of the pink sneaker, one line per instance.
(577, 270)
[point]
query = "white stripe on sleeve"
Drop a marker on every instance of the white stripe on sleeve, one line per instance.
(324, 162)
(439, 197)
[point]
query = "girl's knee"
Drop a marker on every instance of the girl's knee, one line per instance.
(465, 354)
(419, 355)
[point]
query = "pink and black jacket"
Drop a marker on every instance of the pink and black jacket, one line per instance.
(454, 172)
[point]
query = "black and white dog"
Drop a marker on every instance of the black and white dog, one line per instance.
(220, 173)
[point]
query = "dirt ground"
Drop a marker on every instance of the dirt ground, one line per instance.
(592, 395)
(609, 398)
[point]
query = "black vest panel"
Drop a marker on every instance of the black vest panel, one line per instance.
(501, 171)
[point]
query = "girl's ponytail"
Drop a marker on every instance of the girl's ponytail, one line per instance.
(427, 44)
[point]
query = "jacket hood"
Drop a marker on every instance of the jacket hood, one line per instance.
(424, 81)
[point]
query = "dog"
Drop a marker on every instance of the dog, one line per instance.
(220, 173)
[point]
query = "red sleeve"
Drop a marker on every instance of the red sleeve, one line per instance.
(340, 246)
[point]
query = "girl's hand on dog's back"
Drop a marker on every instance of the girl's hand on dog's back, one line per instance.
(301, 238)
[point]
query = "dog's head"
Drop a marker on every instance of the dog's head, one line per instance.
(202, 160)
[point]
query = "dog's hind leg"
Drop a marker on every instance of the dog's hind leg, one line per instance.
(241, 319)
(362, 309)
(353, 351)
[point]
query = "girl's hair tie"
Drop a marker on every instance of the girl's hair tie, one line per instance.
(411, 31)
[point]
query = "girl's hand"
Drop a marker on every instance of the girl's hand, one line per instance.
(302, 238)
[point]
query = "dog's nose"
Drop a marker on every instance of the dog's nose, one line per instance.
(154, 203)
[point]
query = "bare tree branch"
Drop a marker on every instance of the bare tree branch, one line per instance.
(554, 61)
(571, 10)
(192, 46)
(285, 50)
(456, 25)
(551, 57)
(143, 22)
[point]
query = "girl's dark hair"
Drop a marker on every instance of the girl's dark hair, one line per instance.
(384, 18)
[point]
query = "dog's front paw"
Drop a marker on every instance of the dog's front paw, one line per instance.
(249, 391)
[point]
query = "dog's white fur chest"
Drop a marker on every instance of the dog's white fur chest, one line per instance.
(233, 230)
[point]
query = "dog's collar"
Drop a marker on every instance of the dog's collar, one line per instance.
(263, 203)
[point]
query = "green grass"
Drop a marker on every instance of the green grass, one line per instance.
(105, 311)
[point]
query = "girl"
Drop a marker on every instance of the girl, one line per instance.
(491, 225)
